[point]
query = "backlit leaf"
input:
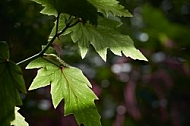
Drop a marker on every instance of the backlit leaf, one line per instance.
(79, 8)
(19, 119)
(68, 84)
(103, 37)
(110, 6)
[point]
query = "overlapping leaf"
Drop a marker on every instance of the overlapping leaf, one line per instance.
(49, 6)
(78, 8)
(67, 83)
(11, 82)
(102, 37)
(110, 6)
(19, 119)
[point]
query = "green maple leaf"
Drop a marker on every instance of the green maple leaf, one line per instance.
(11, 82)
(49, 6)
(78, 8)
(67, 83)
(103, 37)
(110, 6)
(19, 119)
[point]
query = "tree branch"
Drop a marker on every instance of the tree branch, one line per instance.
(68, 25)
(57, 23)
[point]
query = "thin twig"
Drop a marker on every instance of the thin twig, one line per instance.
(57, 23)
(68, 25)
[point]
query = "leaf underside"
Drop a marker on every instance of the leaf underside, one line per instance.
(85, 9)
(79, 8)
(102, 37)
(68, 84)
(11, 82)
(110, 6)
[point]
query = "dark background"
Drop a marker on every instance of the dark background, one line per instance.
(131, 93)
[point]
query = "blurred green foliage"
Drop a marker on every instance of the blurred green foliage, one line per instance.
(131, 92)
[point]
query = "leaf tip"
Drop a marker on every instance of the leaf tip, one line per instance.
(30, 88)
(145, 59)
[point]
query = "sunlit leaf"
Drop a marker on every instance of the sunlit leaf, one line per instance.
(78, 8)
(110, 6)
(103, 37)
(19, 119)
(68, 84)
(11, 82)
